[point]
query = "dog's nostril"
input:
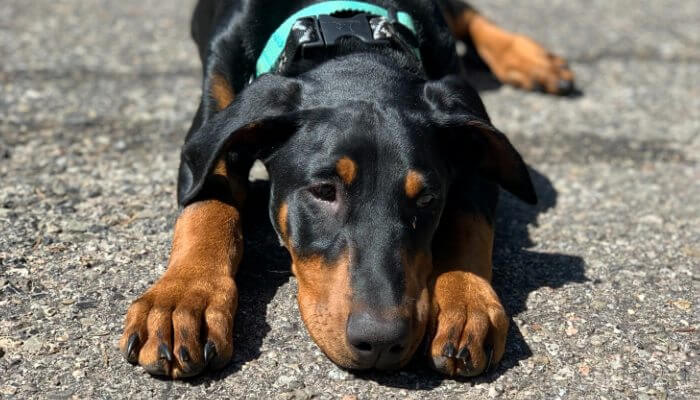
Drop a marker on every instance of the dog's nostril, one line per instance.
(376, 341)
(396, 349)
(363, 346)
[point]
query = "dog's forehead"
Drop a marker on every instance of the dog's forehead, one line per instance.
(369, 134)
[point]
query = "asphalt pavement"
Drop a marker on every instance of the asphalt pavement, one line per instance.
(601, 278)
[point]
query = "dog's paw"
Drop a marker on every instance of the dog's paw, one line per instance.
(522, 62)
(181, 326)
(469, 325)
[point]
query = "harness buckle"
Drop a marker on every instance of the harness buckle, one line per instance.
(310, 34)
(328, 30)
(334, 28)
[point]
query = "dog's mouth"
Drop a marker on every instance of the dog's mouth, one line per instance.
(384, 361)
(388, 360)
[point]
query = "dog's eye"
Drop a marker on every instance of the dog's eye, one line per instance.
(425, 200)
(325, 192)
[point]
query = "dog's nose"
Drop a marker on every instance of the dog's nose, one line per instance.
(376, 341)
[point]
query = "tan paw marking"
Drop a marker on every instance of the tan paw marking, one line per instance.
(469, 324)
(181, 326)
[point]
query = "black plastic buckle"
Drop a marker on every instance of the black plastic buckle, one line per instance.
(332, 29)
(311, 36)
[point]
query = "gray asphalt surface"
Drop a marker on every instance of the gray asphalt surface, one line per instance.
(601, 278)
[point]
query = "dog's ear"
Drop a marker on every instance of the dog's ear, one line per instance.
(470, 138)
(261, 118)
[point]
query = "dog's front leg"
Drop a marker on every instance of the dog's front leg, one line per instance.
(468, 323)
(184, 322)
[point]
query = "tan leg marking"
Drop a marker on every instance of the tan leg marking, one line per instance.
(188, 313)
(467, 315)
(514, 59)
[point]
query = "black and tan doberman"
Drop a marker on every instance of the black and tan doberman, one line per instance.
(384, 174)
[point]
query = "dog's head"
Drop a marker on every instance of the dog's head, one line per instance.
(361, 163)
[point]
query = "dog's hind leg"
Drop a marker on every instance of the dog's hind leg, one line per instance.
(514, 59)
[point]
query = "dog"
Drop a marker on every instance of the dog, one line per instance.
(384, 177)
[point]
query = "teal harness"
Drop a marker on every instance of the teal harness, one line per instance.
(331, 28)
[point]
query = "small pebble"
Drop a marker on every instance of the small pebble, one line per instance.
(338, 374)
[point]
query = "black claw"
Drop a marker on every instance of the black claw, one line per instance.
(565, 87)
(132, 345)
(164, 352)
(132, 348)
(209, 352)
(466, 358)
(449, 350)
(537, 87)
(184, 355)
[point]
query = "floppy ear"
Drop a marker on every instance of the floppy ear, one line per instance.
(262, 117)
(472, 140)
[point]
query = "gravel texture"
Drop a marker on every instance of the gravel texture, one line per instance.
(601, 278)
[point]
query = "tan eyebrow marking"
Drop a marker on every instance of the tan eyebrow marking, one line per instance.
(413, 183)
(346, 169)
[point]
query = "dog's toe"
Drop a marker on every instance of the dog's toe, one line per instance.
(470, 331)
(178, 329)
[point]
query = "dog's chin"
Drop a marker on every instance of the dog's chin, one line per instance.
(353, 364)
(391, 366)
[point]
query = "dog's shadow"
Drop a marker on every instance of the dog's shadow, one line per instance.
(517, 272)
(264, 268)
